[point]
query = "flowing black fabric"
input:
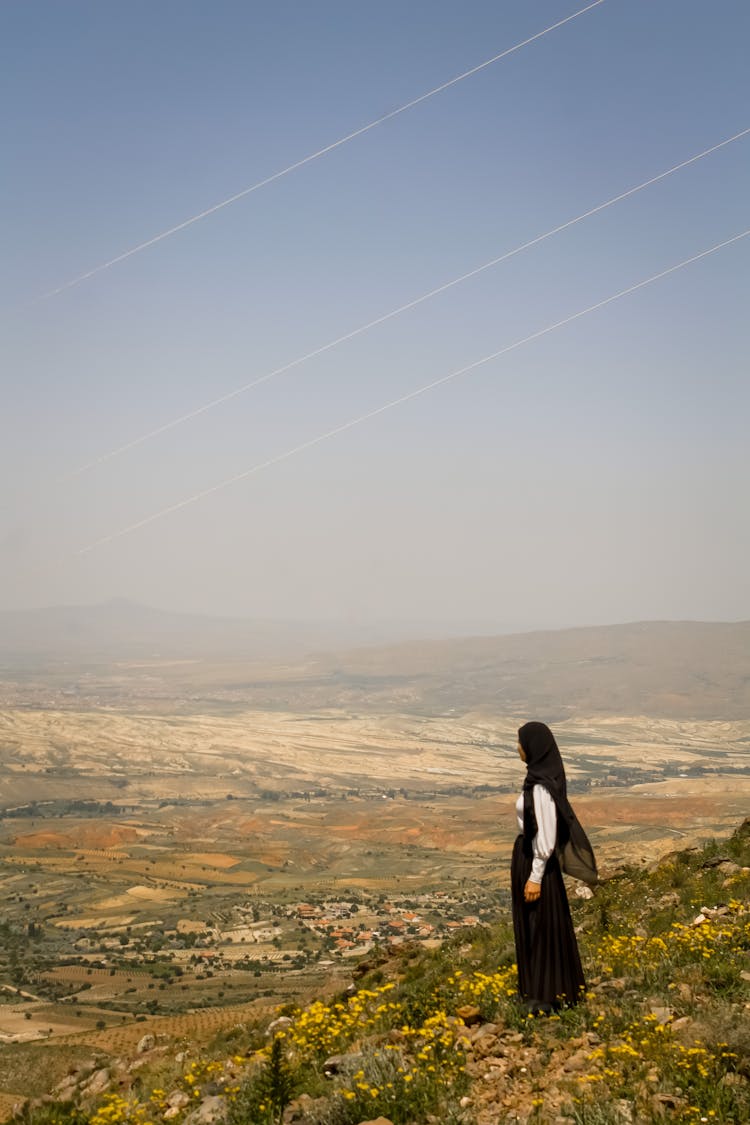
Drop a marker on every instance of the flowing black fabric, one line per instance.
(544, 766)
(549, 966)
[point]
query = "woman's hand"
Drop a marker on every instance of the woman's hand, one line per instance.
(532, 891)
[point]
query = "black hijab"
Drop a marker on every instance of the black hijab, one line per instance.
(544, 766)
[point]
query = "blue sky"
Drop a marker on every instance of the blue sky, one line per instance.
(598, 474)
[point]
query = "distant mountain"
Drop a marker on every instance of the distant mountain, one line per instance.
(125, 630)
(671, 669)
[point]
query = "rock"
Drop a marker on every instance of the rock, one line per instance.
(277, 1025)
(665, 1105)
(180, 1057)
(377, 1121)
(733, 1079)
(579, 1060)
(465, 1102)
(210, 1110)
(715, 861)
(469, 1014)
(178, 1099)
(582, 891)
(727, 867)
(65, 1091)
(97, 1083)
(682, 1023)
(484, 1046)
(616, 984)
(671, 898)
(699, 920)
(744, 974)
(660, 1013)
(624, 1111)
(302, 1109)
(480, 1030)
(171, 1112)
(335, 1064)
(146, 1044)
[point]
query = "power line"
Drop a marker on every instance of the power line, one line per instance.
(245, 387)
(359, 419)
(313, 155)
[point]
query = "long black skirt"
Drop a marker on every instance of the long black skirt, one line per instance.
(549, 965)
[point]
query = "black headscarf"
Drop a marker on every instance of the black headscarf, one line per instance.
(544, 766)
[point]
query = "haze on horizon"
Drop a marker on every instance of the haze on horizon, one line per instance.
(597, 475)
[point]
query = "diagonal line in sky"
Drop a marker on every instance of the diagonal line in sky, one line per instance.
(359, 419)
(245, 387)
(311, 156)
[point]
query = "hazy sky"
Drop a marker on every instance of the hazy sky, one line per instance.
(597, 474)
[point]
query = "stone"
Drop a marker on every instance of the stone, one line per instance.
(97, 1083)
(699, 920)
(302, 1109)
(624, 1111)
(178, 1099)
(481, 1030)
(65, 1091)
(661, 1013)
(582, 891)
(615, 984)
(469, 1014)
(147, 1043)
(210, 1110)
(377, 1121)
(684, 1021)
(579, 1060)
(484, 1046)
(733, 1079)
(332, 1065)
(277, 1025)
(665, 1105)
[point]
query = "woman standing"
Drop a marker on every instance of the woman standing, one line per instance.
(549, 965)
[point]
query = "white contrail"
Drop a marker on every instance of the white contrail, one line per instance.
(313, 155)
(229, 395)
(404, 398)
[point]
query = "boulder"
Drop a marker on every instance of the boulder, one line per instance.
(210, 1110)
(336, 1064)
(178, 1099)
(147, 1043)
(97, 1083)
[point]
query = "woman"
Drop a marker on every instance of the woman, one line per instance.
(549, 966)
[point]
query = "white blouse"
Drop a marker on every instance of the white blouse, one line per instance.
(543, 844)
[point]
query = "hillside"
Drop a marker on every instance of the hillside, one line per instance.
(657, 669)
(437, 1037)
